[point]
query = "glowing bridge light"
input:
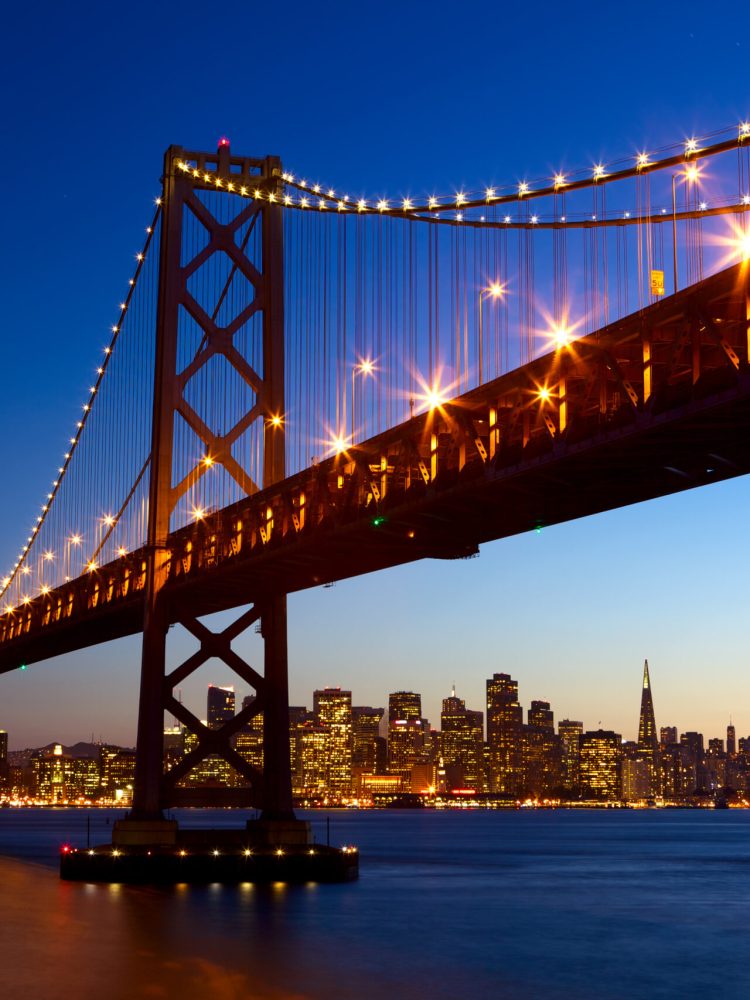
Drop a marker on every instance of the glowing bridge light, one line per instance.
(599, 171)
(691, 145)
(523, 188)
(543, 394)
(109, 521)
(339, 444)
(559, 180)
(198, 513)
(276, 421)
(642, 160)
(692, 174)
(207, 461)
(561, 335)
(122, 551)
(75, 539)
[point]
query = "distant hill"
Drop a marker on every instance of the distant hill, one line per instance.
(21, 758)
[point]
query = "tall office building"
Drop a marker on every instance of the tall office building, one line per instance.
(541, 715)
(404, 705)
(333, 712)
(731, 740)
(668, 735)
(600, 757)
(408, 735)
(312, 765)
(365, 733)
(542, 752)
(504, 722)
(462, 743)
(220, 706)
(298, 716)
(570, 733)
(248, 741)
(648, 739)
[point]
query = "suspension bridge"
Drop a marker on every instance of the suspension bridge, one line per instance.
(302, 385)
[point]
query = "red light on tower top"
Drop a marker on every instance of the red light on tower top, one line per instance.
(223, 142)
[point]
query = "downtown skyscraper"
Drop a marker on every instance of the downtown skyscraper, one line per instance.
(648, 736)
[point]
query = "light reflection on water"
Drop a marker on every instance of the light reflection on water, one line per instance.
(500, 904)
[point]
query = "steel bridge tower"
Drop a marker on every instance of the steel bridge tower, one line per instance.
(155, 790)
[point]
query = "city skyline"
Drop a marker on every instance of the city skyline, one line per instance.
(222, 701)
(569, 610)
(345, 753)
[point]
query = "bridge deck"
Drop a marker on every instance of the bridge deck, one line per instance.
(656, 403)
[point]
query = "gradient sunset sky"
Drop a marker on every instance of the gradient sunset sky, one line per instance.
(390, 97)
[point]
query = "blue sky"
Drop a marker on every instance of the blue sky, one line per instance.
(408, 97)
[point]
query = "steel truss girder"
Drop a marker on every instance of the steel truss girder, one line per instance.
(336, 494)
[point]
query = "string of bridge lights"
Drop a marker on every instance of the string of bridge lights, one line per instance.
(324, 198)
(317, 197)
(101, 370)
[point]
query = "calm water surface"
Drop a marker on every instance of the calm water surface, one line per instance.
(600, 904)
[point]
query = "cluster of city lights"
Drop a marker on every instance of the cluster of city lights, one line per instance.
(319, 197)
(108, 520)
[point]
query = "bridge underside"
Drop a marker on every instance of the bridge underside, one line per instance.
(653, 405)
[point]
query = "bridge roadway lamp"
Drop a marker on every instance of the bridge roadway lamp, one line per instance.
(493, 291)
(364, 368)
(690, 175)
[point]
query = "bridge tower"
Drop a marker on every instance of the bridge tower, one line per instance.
(183, 180)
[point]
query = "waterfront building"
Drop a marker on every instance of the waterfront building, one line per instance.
(668, 735)
(462, 743)
(600, 759)
(365, 735)
(298, 716)
(423, 779)
(60, 777)
(3, 756)
(678, 772)
(116, 769)
(648, 740)
(504, 722)
(635, 774)
(312, 758)
(333, 712)
(220, 706)
(570, 733)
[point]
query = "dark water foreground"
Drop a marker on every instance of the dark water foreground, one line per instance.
(602, 904)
